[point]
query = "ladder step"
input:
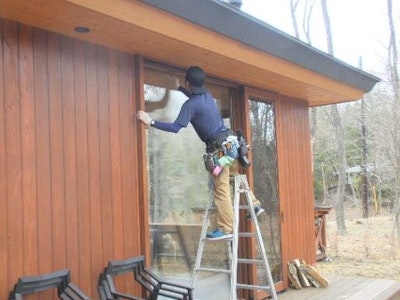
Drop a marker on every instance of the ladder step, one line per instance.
(247, 234)
(250, 261)
(226, 271)
(253, 287)
(221, 240)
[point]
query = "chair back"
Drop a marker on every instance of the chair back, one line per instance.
(59, 280)
(154, 285)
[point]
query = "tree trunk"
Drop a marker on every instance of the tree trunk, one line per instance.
(394, 80)
(293, 8)
(364, 175)
(339, 134)
(340, 193)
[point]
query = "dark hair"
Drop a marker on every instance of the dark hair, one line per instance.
(195, 76)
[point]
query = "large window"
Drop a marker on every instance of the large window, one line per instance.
(178, 182)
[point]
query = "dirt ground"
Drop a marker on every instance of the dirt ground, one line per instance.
(368, 250)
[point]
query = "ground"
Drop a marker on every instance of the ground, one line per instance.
(368, 250)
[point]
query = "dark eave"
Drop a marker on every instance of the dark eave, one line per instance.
(233, 23)
(226, 42)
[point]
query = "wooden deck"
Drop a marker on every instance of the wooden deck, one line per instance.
(348, 288)
(216, 287)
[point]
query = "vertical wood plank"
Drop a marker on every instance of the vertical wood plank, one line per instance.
(141, 152)
(283, 167)
(69, 129)
(56, 152)
(290, 166)
(248, 248)
(115, 140)
(43, 152)
(105, 155)
(133, 146)
(126, 117)
(4, 261)
(302, 179)
(124, 80)
(82, 165)
(133, 122)
(15, 220)
(29, 192)
(306, 158)
(93, 163)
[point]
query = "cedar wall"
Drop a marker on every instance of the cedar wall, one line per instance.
(68, 161)
(295, 181)
(69, 171)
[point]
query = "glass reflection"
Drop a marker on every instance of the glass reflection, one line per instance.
(265, 179)
(177, 180)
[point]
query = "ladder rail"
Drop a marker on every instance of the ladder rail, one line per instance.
(235, 241)
(260, 242)
(203, 233)
(241, 186)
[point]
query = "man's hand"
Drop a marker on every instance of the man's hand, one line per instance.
(144, 117)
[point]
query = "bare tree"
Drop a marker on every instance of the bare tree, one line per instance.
(293, 8)
(364, 152)
(335, 117)
(308, 8)
(341, 169)
(327, 24)
(307, 13)
(339, 135)
(394, 153)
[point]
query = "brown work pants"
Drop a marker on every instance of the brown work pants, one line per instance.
(223, 199)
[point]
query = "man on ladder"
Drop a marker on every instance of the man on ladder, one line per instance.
(221, 144)
(223, 151)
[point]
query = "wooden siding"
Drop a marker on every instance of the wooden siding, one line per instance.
(295, 182)
(68, 157)
(73, 189)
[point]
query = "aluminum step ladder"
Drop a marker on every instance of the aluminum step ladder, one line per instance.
(241, 187)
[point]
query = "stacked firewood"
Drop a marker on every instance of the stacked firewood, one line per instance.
(304, 275)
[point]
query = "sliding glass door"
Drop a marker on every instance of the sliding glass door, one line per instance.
(265, 179)
(178, 186)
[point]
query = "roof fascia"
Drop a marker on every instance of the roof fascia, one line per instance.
(235, 24)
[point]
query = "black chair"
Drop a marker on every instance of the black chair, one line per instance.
(153, 285)
(60, 280)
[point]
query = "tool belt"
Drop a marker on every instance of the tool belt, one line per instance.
(215, 143)
(222, 150)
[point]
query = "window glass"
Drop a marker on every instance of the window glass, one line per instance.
(178, 186)
(266, 180)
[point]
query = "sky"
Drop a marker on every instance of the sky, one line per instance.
(359, 27)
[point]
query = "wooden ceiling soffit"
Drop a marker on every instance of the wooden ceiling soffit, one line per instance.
(138, 28)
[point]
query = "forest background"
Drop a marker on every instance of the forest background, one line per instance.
(356, 145)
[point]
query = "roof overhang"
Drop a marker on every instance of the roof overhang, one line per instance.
(226, 42)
